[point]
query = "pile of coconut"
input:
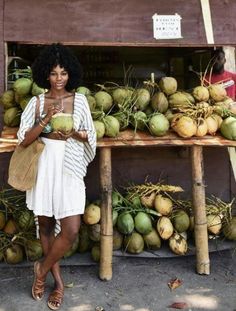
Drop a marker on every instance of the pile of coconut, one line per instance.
(155, 107)
(148, 216)
(18, 241)
(15, 100)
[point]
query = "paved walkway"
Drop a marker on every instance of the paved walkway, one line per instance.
(138, 284)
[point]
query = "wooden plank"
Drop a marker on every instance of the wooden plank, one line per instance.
(128, 138)
(115, 21)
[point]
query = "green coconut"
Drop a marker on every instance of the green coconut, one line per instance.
(169, 115)
(22, 86)
(33, 250)
(143, 223)
(159, 102)
(229, 229)
(83, 90)
(12, 117)
(152, 240)
(117, 239)
(117, 199)
(228, 128)
(125, 223)
(135, 200)
(36, 90)
(168, 85)
(14, 254)
(189, 96)
(24, 101)
(123, 118)
(158, 125)
(25, 219)
(95, 253)
(180, 220)
(97, 114)
(179, 99)
(134, 243)
(103, 100)
(92, 102)
(100, 128)
(84, 241)
(114, 217)
(141, 98)
(139, 120)
(112, 126)
(94, 232)
(8, 99)
(121, 96)
(73, 248)
(62, 122)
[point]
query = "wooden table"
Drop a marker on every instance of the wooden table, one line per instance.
(129, 139)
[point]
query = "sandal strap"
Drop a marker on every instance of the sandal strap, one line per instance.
(39, 287)
(56, 296)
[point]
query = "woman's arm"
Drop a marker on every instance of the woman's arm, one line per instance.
(34, 132)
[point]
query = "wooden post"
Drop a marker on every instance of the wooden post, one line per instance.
(200, 221)
(106, 242)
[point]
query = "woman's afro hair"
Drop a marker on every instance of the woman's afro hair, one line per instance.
(50, 57)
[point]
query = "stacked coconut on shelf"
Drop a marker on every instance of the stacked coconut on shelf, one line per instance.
(152, 107)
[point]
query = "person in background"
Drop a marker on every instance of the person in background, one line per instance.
(58, 197)
(219, 74)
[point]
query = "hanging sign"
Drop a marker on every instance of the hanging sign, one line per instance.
(167, 26)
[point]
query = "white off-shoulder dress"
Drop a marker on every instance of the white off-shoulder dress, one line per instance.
(59, 191)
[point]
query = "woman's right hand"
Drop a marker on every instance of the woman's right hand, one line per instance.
(52, 109)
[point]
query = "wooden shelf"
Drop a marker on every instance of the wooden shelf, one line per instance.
(129, 138)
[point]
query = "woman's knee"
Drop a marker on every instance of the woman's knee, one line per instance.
(46, 225)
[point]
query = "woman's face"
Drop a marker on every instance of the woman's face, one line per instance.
(58, 78)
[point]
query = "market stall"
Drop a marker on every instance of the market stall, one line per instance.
(104, 36)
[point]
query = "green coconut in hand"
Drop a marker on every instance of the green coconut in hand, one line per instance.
(62, 122)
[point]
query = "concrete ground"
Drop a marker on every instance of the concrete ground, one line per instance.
(138, 284)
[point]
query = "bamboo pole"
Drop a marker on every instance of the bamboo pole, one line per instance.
(200, 221)
(106, 243)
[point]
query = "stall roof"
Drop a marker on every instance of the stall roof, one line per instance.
(115, 22)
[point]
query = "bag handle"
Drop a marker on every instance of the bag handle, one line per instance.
(37, 112)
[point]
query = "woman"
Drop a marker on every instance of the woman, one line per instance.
(59, 193)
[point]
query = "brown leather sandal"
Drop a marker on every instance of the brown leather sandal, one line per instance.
(38, 285)
(55, 299)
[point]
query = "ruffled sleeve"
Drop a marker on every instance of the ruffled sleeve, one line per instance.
(27, 119)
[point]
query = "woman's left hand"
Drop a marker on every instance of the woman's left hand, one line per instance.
(63, 136)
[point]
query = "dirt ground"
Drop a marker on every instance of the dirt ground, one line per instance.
(138, 284)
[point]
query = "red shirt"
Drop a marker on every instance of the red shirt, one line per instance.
(228, 80)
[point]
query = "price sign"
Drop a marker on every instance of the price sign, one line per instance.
(167, 26)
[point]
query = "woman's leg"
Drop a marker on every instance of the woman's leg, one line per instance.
(47, 237)
(61, 244)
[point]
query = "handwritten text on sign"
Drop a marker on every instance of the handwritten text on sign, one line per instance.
(167, 26)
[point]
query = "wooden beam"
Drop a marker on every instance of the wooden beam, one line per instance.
(106, 242)
(200, 221)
